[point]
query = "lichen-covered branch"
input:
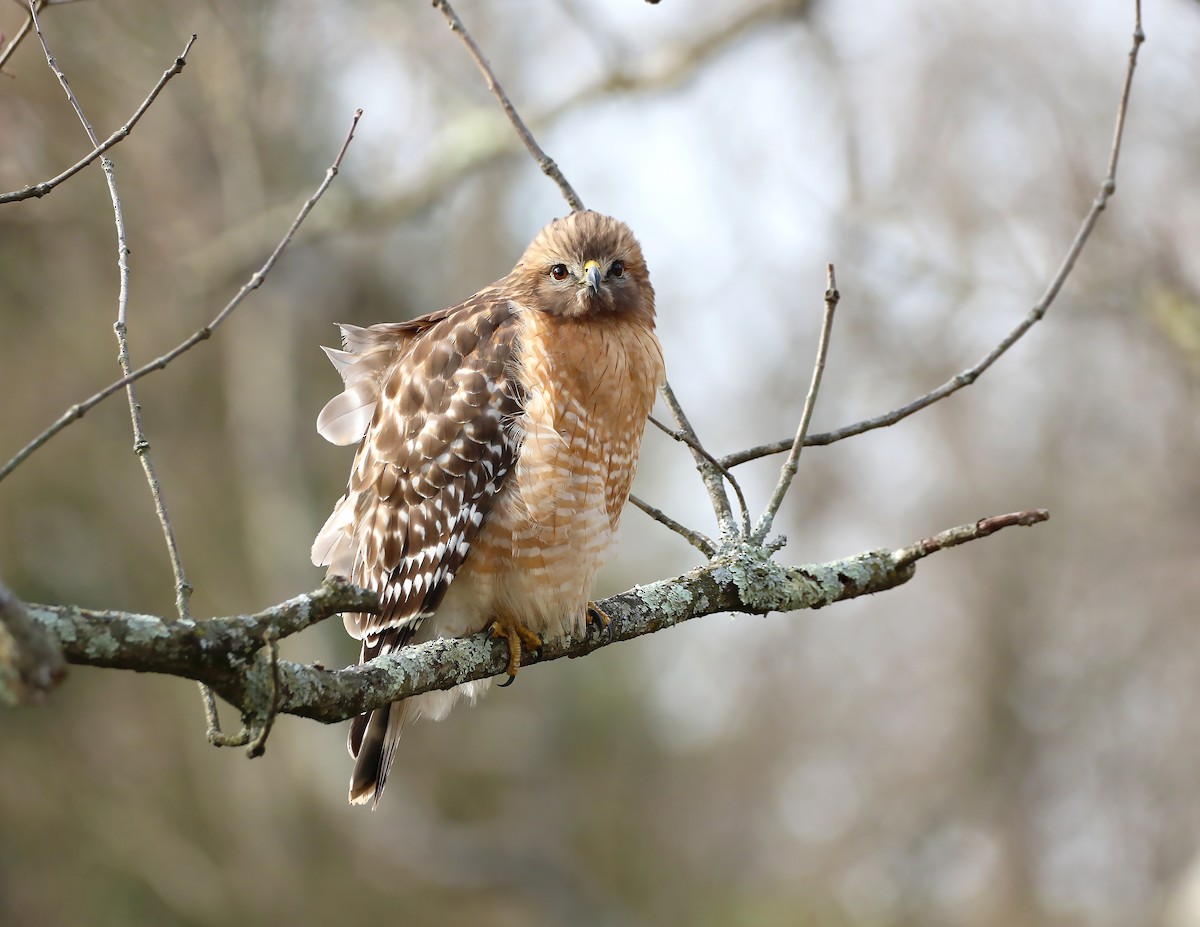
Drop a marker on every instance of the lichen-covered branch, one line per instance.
(235, 655)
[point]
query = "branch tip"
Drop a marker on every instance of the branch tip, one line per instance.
(548, 167)
(966, 377)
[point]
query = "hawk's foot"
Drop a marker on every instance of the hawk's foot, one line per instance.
(597, 617)
(520, 639)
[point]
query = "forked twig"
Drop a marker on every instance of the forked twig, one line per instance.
(788, 471)
(77, 411)
(255, 738)
(709, 472)
(141, 444)
(694, 444)
(549, 168)
(41, 189)
(965, 378)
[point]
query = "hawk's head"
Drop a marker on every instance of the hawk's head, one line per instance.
(584, 264)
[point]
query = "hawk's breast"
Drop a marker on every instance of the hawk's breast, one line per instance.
(588, 387)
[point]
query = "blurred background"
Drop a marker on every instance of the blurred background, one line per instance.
(1010, 738)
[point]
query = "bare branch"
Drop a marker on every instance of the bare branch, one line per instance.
(1107, 188)
(62, 78)
(788, 471)
(679, 63)
(695, 538)
(549, 168)
(77, 411)
(710, 469)
(141, 444)
(41, 189)
(691, 441)
(227, 653)
(18, 38)
(952, 537)
(709, 472)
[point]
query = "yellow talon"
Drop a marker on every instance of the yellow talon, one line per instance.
(519, 638)
(597, 616)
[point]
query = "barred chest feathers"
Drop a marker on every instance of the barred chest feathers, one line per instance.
(585, 409)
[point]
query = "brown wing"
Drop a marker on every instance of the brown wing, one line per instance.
(442, 401)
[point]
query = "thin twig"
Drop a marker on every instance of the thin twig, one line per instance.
(212, 721)
(952, 537)
(678, 64)
(34, 6)
(141, 445)
(549, 168)
(18, 38)
(710, 469)
(788, 471)
(691, 442)
(77, 411)
(41, 189)
(258, 744)
(713, 480)
(1107, 188)
(695, 538)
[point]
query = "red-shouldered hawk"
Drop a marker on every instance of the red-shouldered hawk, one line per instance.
(497, 441)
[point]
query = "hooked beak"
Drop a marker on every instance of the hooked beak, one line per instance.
(591, 275)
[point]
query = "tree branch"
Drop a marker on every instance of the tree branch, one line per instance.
(709, 468)
(679, 63)
(141, 445)
(952, 537)
(699, 541)
(77, 411)
(788, 471)
(1108, 187)
(544, 161)
(693, 443)
(18, 38)
(41, 189)
(228, 653)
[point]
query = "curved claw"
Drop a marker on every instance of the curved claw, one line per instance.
(597, 617)
(519, 638)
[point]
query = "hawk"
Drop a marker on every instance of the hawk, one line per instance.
(497, 441)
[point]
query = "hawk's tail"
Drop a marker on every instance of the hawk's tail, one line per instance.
(373, 739)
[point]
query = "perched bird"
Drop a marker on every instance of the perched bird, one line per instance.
(497, 441)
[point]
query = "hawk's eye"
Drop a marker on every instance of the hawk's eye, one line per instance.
(617, 269)
(559, 272)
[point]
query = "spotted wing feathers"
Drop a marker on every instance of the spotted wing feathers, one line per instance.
(433, 404)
